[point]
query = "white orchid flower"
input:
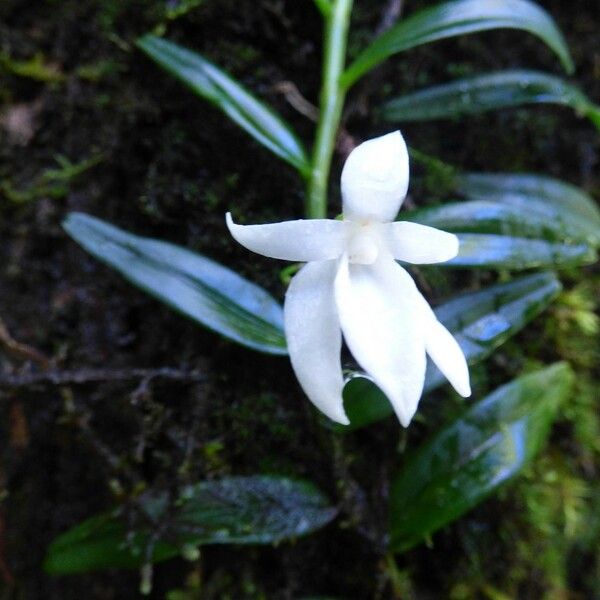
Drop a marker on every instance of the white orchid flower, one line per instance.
(353, 285)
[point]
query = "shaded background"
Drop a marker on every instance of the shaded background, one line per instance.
(88, 123)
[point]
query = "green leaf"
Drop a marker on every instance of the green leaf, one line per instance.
(214, 85)
(511, 215)
(197, 287)
(460, 17)
(513, 232)
(505, 252)
(481, 322)
(236, 510)
(491, 91)
(563, 197)
(470, 458)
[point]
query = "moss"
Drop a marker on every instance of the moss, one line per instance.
(51, 183)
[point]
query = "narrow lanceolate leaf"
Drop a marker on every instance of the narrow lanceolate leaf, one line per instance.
(201, 289)
(491, 91)
(459, 17)
(480, 321)
(512, 215)
(471, 457)
(521, 189)
(506, 252)
(515, 232)
(214, 85)
(237, 510)
(512, 232)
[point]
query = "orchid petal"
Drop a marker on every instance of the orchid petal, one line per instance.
(314, 337)
(445, 352)
(375, 179)
(443, 349)
(383, 329)
(301, 240)
(420, 244)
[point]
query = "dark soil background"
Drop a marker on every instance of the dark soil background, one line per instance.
(152, 158)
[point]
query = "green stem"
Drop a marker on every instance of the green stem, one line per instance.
(331, 105)
(394, 576)
(324, 6)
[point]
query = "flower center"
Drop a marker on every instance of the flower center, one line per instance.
(363, 248)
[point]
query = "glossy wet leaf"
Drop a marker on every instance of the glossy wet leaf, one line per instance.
(236, 510)
(511, 215)
(194, 285)
(490, 91)
(460, 17)
(216, 86)
(470, 458)
(481, 322)
(505, 252)
(513, 233)
(519, 189)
